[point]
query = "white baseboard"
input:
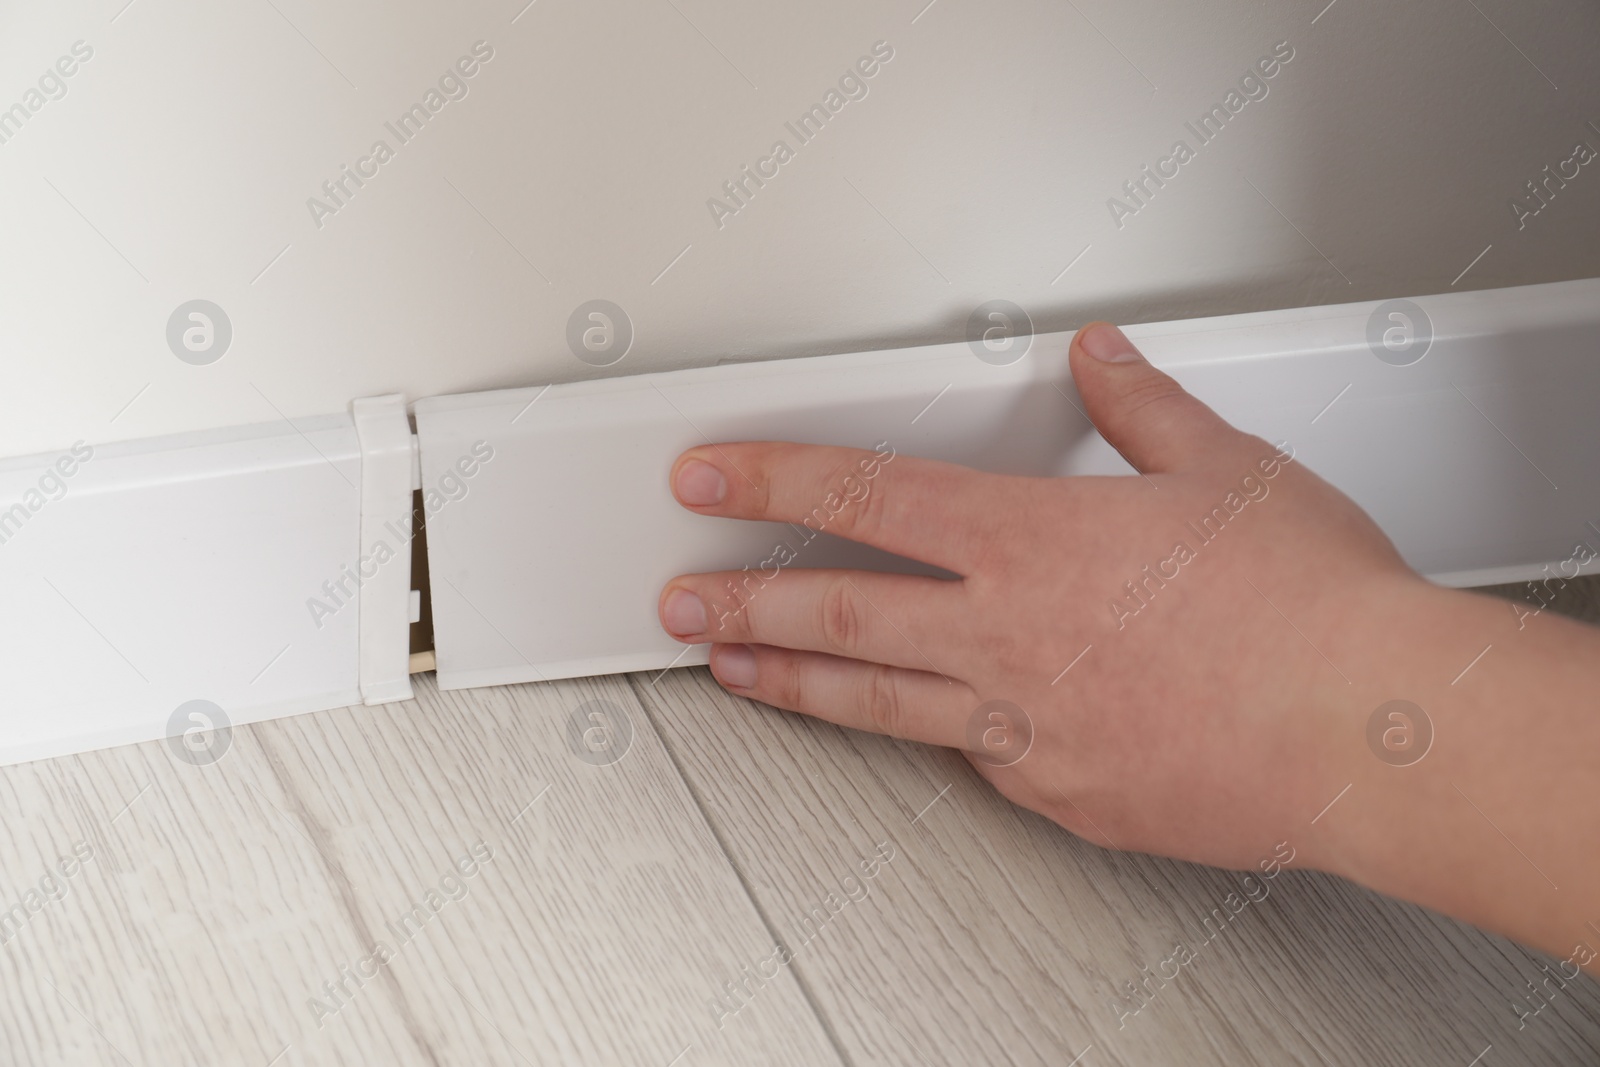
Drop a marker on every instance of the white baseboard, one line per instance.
(1481, 459)
(159, 572)
(187, 568)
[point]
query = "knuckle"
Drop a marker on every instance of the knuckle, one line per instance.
(728, 613)
(1153, 394)
(755, 466)
(761, 494)
(843, 621)
(857, 505)
(783, 682)
(882, 701)
(743, 619)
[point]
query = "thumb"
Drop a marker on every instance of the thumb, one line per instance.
(1142, 412)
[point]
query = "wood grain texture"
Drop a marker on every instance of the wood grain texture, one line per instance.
(995, 936)
(220, 900)
(629, 911)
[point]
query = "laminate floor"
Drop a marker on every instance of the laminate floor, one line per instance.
(645, 870)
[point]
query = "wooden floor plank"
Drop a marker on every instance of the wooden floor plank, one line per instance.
(740, 886)
(533, 906)
(995, 936)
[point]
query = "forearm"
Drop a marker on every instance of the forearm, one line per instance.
(1499, 823)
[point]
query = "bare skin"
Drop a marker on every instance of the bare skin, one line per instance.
(1223, 704)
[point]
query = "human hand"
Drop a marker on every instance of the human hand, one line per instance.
(1202, 607)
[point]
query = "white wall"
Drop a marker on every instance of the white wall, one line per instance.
(179, 162)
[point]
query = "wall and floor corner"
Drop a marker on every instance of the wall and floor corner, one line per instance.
(266, 570)
(207, 256)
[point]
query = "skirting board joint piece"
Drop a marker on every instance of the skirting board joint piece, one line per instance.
(390, 473)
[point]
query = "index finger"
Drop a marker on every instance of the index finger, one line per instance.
(939, 513)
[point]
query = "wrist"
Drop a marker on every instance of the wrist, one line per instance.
(1474, 798)
(1378, 724)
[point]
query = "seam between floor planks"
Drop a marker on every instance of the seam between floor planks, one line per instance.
(1363, 974)
(197, 872)
(755, 901)
(598, 934)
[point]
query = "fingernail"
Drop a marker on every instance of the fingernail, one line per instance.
(700, 484)
(684, 614)
(734, 665)
(1106, 343)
